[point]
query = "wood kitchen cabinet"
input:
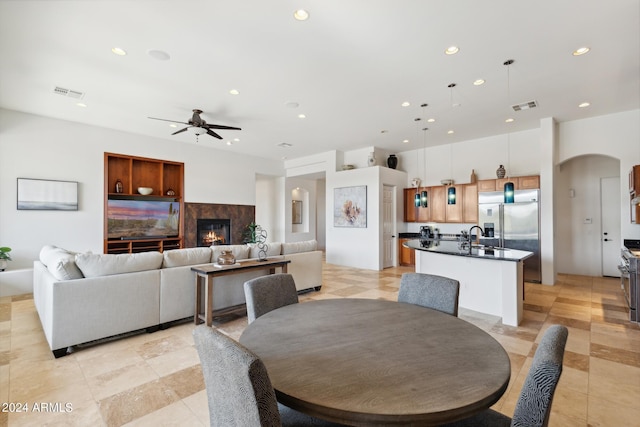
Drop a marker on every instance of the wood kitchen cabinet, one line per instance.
(424, 214)
(453, 213)
(634, 192)
(438, 204)
(530, 182)
(410, 210)
(406, 256)
(486, 185)
(470, 204)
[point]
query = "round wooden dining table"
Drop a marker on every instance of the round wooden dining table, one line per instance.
(377, 362)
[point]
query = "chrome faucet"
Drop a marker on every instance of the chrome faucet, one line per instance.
(481, 234)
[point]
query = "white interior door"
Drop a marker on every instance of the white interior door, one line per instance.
(610, 227)
(388, 226)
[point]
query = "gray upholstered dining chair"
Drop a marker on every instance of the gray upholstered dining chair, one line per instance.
(428, 290)
(239, 391)
(534, 404)
(267, 293)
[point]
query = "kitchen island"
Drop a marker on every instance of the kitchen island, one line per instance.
(491, 279)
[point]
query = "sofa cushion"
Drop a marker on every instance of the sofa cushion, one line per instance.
(60, 263)
(187, 256)
(273, 249)
(94, 265)
(238, 251)
(295, 247)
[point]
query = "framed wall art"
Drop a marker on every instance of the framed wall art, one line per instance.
(45, 194)
(350, 207)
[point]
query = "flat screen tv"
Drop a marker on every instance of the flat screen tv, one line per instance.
(139, 219)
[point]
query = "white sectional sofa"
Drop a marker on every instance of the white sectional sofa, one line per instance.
(82, 297)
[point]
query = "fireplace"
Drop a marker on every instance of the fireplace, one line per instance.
(213, 232)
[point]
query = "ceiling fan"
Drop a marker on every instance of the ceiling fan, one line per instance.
(198, 125)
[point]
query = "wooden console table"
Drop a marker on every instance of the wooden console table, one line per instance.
(208, 273)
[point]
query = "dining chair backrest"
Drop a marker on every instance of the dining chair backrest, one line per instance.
(267, 293)
(239, 391)
(534, 404)
(428, 290)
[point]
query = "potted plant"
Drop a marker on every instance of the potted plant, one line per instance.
(250, 234)
(4, 257)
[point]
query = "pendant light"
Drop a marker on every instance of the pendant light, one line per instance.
(417, 198)
(509, 188)
(424, 196)
(451, 191)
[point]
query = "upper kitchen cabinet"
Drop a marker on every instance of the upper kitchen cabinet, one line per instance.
(410, 210)
(634, 180)
(470, 204)
(530, 182)
(438, 203)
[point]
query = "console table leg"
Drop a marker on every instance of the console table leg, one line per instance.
(208, 306)
(196, 316)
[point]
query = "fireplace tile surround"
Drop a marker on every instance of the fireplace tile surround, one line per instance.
(240, 216)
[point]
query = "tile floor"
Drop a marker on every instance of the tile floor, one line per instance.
(155, 379)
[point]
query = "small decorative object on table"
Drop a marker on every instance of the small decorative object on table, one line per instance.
(226, 258)
(261, 239)
(392, 161)
(501, 172)
(372, 159)
(119, 187)
(170, 192)
(4, 257)
(473, 178)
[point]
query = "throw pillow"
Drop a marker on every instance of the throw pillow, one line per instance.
(60, 263)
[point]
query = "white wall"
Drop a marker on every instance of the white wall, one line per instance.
(37, 147)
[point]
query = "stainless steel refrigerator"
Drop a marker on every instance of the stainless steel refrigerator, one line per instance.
(515, 226)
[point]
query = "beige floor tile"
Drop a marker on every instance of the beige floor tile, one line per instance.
(174, 361)
(119, 380)
(570, 403)
(575, 380)
(176, 414)
(199, 406)
(108, 361)
(614, 381)
(606, 413)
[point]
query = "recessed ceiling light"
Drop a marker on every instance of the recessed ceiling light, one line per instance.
(80, 104)
(301, 15)
(302, 116)
(450, 132)
(509, 120)
(229, 143)
(452, 50)
(284, 145)
(160, 55)
(405, 104)
(478, 82)
(236, 139)
(431, 120)
(584, 105)
(118, 51)
(405, 141)
(581, 51)
(173, 125)
(234, 92)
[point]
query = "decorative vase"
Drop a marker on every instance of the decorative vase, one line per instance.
(372, 159)
(473, 178)
(392, 161)
(170, 192)
(501, 172)
(119, 187)
(3, 264)
(226, 258)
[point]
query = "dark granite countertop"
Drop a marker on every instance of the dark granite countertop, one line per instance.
(452, 247)
(409, 235)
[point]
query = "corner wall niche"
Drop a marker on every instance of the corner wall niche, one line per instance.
(239, 217)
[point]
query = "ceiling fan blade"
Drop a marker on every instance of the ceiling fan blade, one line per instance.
(208, 126)
(181, 130)
(166, 120)
(213, 134)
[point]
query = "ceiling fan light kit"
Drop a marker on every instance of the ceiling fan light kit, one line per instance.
(198, 126)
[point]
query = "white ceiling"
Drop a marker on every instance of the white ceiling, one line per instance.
(349, 67)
